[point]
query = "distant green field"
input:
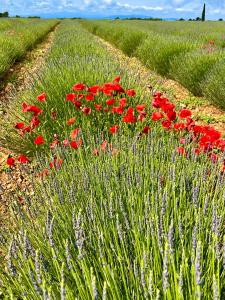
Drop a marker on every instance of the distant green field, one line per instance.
(19, 35)
(191, 53)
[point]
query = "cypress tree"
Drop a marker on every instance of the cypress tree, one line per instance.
(203, 13)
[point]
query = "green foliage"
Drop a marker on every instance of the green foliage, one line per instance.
(203, 13)
(157, 52)
(214, 85)
(16, 41)
(191, 69)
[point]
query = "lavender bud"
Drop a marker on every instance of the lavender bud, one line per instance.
(165, 274)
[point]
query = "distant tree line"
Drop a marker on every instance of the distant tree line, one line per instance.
(145, 19)
(4, 14)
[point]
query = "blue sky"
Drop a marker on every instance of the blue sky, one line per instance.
(104, 8)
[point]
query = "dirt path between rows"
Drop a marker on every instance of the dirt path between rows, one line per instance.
(202, 110)
(17, 80)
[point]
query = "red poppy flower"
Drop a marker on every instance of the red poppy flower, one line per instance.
(182, 141)
(34, 122)
(54, 144)
(86, 110)
(184, 113)
(196, 151)
(179, 126)
(74, 145)
(74, 133)
(19, 125)
(10, 161)
(129, 118)
(94, 89)
(131, 93)
(106, 109)
(23, 159)
(123, 102)
(39, 140)
(167, 106)
(116, 79)
(166, 124)
(117, 109)
(171, 115)
(181, 150)
(71, 121)
(77, 104)
(90, 97)
(110, 101)
(98, 107)
(114, 129)
(41, 97)
(142, 116)
(79, 87)
(213, 157)
(140, 107)
(157, 116)
(146, 129)
(31, 108)
(70, 97)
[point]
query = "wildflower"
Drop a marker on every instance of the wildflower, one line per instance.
(79, 87)
(114, 129)
(23, 159)
(184, 113)
(168, 106)
(171, 115)
(117, 109)
(10, 161)
(95, 152)
(146, 130)
(98, 107)
(35, 122)
(71, 121)
(70, 97)
(90, 97)
(94, 89)
(74, 145)
(41, 97)
(166, 124)
(77, 104)
(131, 93)
(181, 150)
(123, 102)
(86, 110)
(31, 108)
(140, 107)
(110, 101)
(19, 125)
(53, 115)
(157, 116)
(116, 79)
(179, 126)
(39, 140)
(129, 118)
(142, 116)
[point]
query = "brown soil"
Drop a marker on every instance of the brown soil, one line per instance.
(171, 88)
(18, 79)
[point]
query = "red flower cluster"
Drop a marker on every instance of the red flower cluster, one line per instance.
(205, 139)
(115, 102)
